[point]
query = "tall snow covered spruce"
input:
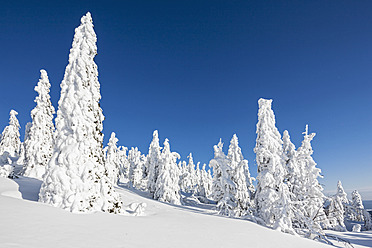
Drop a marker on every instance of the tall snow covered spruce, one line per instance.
(39, 141)
(272, 195)
(76, 179)
(153, 162)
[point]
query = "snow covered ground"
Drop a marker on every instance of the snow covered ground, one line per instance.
(24, 222)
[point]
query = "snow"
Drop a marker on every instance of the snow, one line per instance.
(27, 223)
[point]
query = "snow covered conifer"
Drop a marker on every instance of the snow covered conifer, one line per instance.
(124, 166)
(153, 161)
(357, 207)
(223, 186)
(76, 179)
(39, 138)
(295, 180)
(166, 187)
(10, 141)
(112, 159)
(10, 146)
(184, 176)
(136, 161)
(238, 165)
(192, 176)
(336, 213)
(293, 177)
(311, 190)
(205, 182)
(341, 193)
(197, 176)
(367, 220)
(272, 195)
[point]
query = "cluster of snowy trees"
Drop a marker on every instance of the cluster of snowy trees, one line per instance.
(80, 175)
(339, 208)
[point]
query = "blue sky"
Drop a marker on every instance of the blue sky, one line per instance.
(194, 70)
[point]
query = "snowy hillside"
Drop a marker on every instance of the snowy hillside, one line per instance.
(27, 223)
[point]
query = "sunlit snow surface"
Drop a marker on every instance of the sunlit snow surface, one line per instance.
(24, 222)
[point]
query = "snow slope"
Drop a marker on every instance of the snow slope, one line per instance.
(27, 223)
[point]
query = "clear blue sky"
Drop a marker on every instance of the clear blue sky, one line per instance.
(194, 70)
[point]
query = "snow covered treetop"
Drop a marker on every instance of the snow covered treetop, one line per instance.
(268, 136)
(155, 135)
(113, 140)
(87, 18)
(12, 114)
(288, 147)
(306, 143)
(218, 152)
(234, 152)
(84, 39)
(43, 88)
(264, 103)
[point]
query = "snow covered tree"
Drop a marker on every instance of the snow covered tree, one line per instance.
(124, 166)
(293, 177)
(10, 146)
(223, 187)
(238, 165)
(336, 213)
(341, 193)
(153, 161)
(205, 183)
(310, 190)
(367, 220)
(166, 187)
(39, 142)
(192, 176)
(10, 141)
(136, 161)
(75, 178)
(112, 161)
(272, 195)
(356, 210)
(196, 180)
(184, 178)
